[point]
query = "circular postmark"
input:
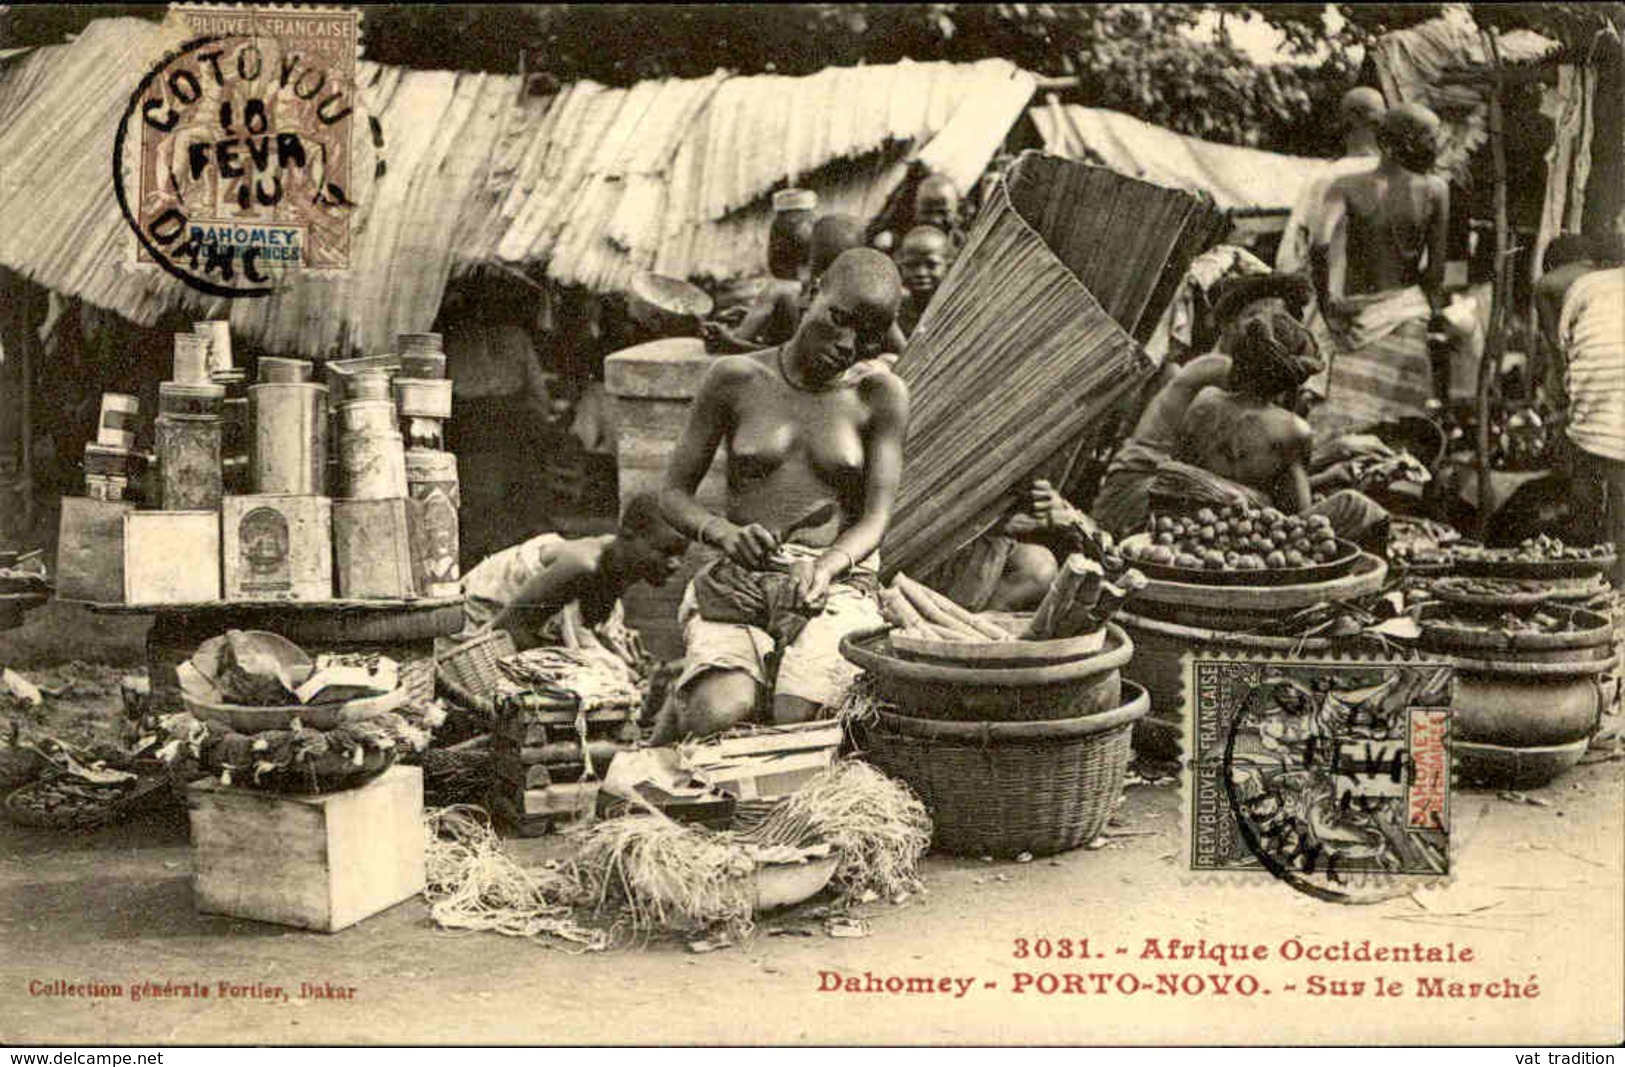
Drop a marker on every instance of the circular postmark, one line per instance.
(236, 162)
(1328, 772)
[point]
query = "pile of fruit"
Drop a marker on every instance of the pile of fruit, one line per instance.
(1542, 549)
(1238, 538)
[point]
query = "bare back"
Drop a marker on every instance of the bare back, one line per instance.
(1248, 441)
(1396, 228)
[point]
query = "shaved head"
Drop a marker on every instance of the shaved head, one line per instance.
(832, 235)
(925, 238)
(936, 201)
(1410, 134)
(865, 277)
(1362, 105)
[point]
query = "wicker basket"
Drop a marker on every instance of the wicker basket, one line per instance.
(1000, 789)
(473, 667)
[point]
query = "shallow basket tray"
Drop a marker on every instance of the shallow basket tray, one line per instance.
(251, 720)
(1001, 789)
(1348, 556)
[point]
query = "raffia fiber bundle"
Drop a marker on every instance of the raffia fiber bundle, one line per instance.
(1016, 358)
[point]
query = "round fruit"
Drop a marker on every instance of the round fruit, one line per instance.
(1243, 527)
(1294, 558)
(1206, 517)
(1326, 548)
(1320, 522)
(1275, 559)
(1278, 534)
(1302, 545)
(1165, 538)
(1272, 516)
(1252, 563)
(1207, 533)
(1188, 561)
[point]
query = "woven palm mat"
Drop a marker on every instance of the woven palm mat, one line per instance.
(1020, 354)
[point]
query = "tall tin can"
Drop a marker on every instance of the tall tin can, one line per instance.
(189, 471)
(431, 482)
(290, 438)
(372, 466)
(216, 333)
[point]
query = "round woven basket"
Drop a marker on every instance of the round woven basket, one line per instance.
(1001, 789)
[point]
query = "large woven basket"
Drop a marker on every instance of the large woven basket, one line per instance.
(1001, 789)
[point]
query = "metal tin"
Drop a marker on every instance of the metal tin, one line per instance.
(423, 398)
(372, 466)
(116, 426)
(367, 416)
(216, 333)
(193, 399)
(191, 359)
(90, 550)
(116, 462)
(283, 369)
(189, 471)
(372, 549)
(234, 446)
(422, 355)
(341, 371)
(289, 453)
(370, 384)
(171, 557)
(277, 547)
(106, 487)
(431, 480)
(423, 434)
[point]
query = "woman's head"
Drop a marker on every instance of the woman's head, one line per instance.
(790, 235)
(1273, 355)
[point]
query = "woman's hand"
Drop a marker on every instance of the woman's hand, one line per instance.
(812, 585)
(748, 546)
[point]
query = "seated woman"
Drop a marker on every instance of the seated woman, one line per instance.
(522, 588)
(1245, 436)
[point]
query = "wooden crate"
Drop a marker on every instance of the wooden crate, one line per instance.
(321, 863)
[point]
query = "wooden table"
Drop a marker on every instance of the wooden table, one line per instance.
(405, 630)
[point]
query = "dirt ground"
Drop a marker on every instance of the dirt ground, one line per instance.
(1539, 896)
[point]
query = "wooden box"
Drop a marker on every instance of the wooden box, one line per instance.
(759, 763)
(90, 550)
(372, 549)
(321, 863)
(277, 547)
(171, 557)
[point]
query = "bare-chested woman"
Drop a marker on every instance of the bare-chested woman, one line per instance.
(804, 427)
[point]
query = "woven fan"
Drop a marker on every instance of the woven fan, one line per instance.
(1031, 339)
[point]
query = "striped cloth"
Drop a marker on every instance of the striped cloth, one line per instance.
(1379, 370)
(1592, 331)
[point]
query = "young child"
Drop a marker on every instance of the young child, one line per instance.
(923, 260)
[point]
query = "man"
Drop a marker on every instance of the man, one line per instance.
(522, 588)
(1122, 504)
(1383, 284)
(1586, 286)
(1360, 113)
(801, 433)
(923, 262)
(1246, 437)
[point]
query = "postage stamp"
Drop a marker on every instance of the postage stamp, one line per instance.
(1331, 776)
(236, 162)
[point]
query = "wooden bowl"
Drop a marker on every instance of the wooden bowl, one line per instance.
(666, 305)
(998, 653)
(779, 885)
